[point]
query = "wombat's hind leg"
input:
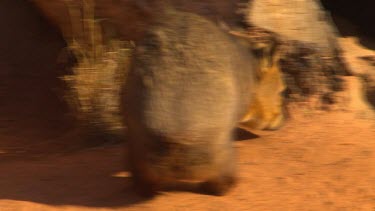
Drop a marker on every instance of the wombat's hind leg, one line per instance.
(144, 188)
(220, 184)
(143, 184)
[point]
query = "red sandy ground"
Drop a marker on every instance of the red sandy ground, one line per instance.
(318, 161)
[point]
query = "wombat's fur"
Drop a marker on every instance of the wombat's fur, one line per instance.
(189, 85)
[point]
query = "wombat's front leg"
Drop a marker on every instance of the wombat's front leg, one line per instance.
(218, 186)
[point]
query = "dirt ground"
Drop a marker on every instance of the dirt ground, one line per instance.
(320, 160)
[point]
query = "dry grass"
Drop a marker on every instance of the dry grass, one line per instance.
(94, 88)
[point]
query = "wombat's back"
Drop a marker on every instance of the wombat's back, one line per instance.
(187, 65)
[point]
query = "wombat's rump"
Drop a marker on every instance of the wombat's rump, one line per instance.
(189, 85)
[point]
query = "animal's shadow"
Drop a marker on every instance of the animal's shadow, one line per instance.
(243, 135)
(86, 178)
(371, 97)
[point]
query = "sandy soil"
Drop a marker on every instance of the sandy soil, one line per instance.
(318, 161)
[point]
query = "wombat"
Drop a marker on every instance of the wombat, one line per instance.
(189, 85)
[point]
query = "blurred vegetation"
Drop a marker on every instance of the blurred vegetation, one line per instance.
(102, 62)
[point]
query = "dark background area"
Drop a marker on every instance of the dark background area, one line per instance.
(360, 13)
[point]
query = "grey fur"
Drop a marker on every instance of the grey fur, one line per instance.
(188, 87)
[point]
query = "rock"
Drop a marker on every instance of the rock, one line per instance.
(360, 62)
(311, 56)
